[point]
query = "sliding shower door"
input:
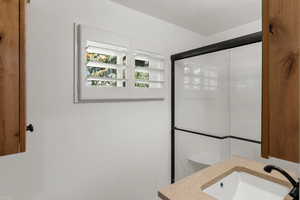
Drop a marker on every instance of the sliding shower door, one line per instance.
(217, 107)
(201, 106)
(202, 93)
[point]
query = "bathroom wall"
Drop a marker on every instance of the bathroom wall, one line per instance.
(113, 150)
(245, 29)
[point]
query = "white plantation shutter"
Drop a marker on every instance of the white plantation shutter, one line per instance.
(106, 65)
(149, 70)
(107, 69)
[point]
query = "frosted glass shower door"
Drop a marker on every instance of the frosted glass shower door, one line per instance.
(202, 93)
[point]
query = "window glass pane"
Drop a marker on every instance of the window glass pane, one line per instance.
(97, 57)
(141, 63)
(107, 59)
(105, 65)
(103, 72)
(140, 75)
(105, 53)
(105, 83)
(149, 72)
(148, 84)
(142, 85)
(96, 72)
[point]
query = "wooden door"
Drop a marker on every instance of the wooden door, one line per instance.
(12, 59)
(280, 134)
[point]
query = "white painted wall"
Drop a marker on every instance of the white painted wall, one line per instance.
(245, 29)
(253, 151)
(89, 151)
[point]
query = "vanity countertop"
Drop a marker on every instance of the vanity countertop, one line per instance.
(190, 188)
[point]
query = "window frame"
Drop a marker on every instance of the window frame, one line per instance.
(83, 93)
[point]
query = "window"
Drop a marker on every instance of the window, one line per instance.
(107, 68)
(149, 70)
(105, 65)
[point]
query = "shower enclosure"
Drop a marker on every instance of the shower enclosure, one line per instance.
(216, 102)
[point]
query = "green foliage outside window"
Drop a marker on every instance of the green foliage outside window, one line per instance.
(144, 76)
(102, 58)
(96, 72)
(103, 83)
(142, 85)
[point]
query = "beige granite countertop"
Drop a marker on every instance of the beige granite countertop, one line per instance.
(190, 188)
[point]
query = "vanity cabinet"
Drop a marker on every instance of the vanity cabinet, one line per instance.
(281, 42)
(12, 76)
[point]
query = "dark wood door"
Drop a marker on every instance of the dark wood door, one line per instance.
(12, 101)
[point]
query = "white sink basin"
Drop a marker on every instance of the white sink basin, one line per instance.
(243, 186)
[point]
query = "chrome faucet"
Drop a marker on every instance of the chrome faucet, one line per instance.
(295, 191)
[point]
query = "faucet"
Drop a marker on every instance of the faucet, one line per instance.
(295, 191)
